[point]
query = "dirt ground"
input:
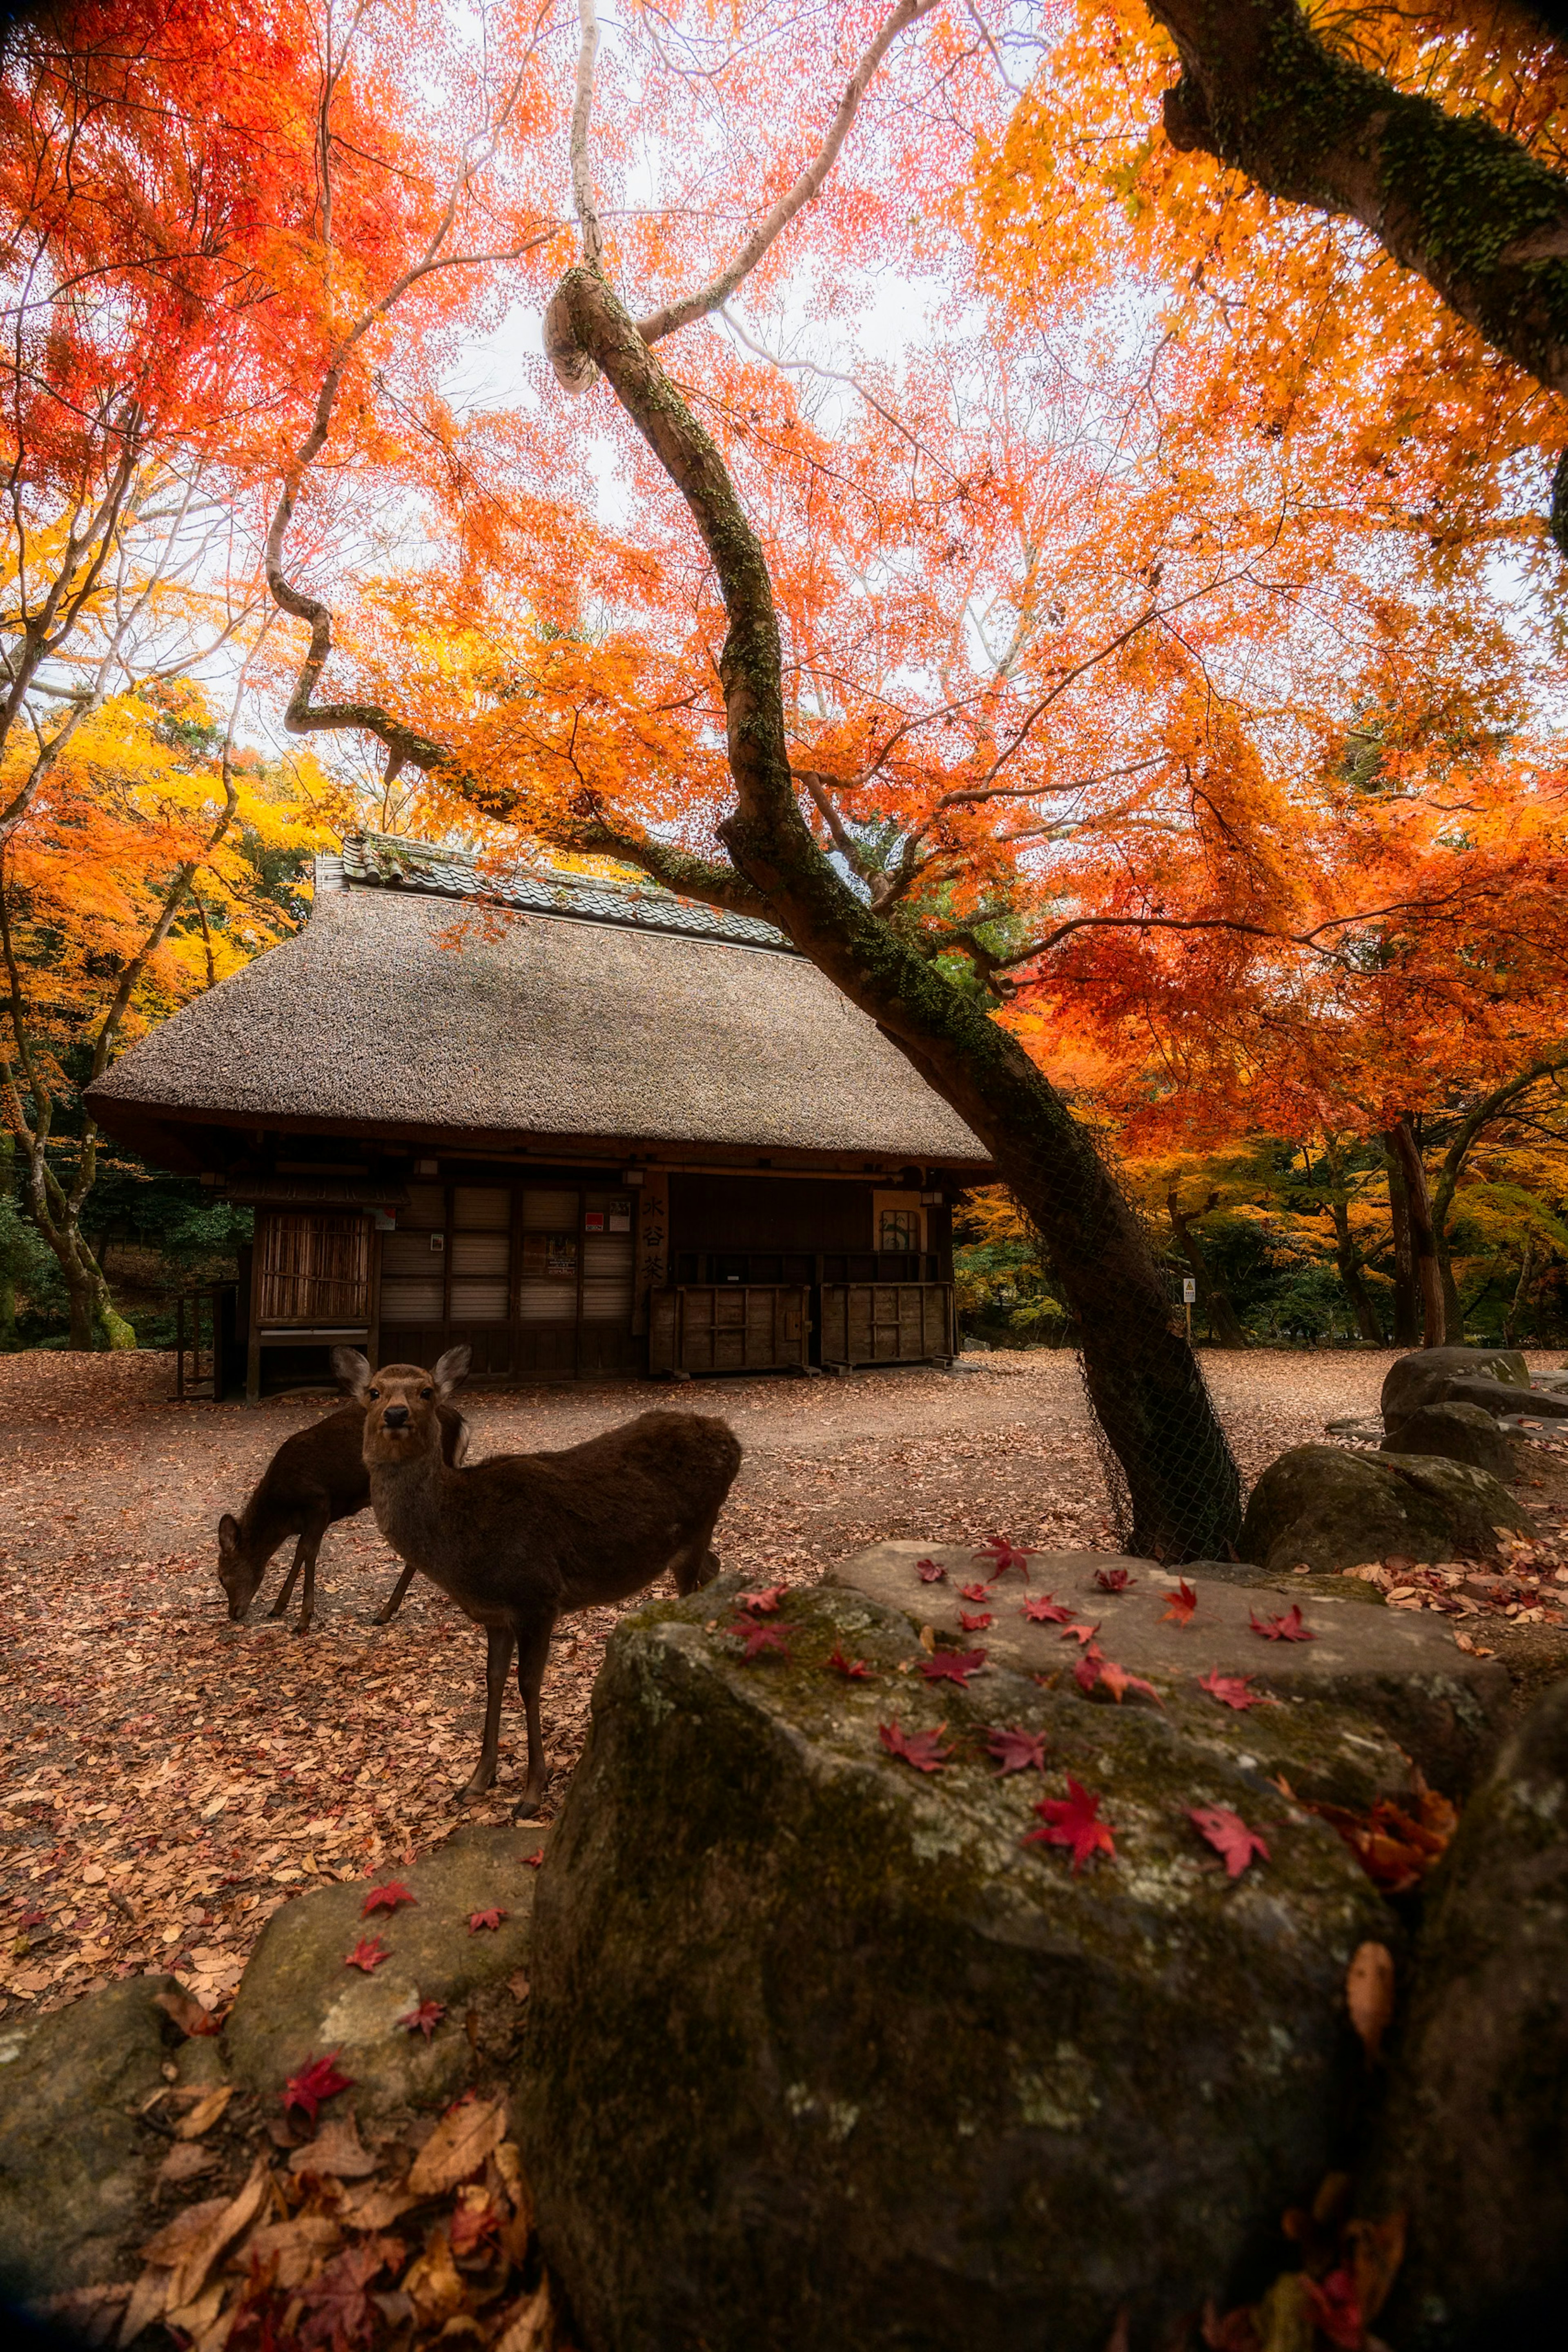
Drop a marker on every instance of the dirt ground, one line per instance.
(168, 1780)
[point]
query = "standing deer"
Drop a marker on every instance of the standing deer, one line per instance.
(519, 1538)
(315, 1478)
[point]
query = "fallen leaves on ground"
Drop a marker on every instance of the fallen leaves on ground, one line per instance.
(977, 1623)
(1228, 1834)
(1108, 1676)
(1348, 2270)
(1043, 1611)
(923, 1749)
(974, 1592)
(853, 1670)
(1115, 1579)
(1071, 1821)
(1287, 1626)
(999, 1555)
(492, 1918)
(318, 2079)
(1369, 1988)
(929, 1572)
(1233, 1690)
(953, 1666)
(367, 1955)
(758, 1641)
(1395, 1845)
(1180, 1605)
(423, 2018)
(764, 1604)
(386, 1898)
(1016, 1751)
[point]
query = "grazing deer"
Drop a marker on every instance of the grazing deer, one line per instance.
(519, 1538)
(315, 1478)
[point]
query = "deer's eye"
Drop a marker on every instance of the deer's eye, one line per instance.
(374, 1393)
(424, 1392)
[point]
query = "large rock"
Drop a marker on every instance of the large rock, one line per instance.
(1424, 1377)
(299, 1999)
(1474, 2145)
(1330, 1509)
(820, 2052)
(74, 2163)
(1371, 1690)
(1455, 1433)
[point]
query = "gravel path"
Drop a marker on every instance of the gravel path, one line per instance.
(167, 1779)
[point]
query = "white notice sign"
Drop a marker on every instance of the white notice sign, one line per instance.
(1188, 1291)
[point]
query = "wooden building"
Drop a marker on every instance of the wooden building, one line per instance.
(585, 1126)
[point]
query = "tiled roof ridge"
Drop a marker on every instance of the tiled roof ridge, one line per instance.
(372, 860)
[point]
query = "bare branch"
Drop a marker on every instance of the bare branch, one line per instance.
(582, 162)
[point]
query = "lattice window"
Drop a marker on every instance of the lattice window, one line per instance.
(314, 1270)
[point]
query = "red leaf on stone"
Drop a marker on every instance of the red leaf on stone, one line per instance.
(1285, 1628)
(1118, 1681)
(426, 2018)
(953, 1666)
(1000, 1556)
(764, 1604)
(1230, 1836)
(337, 2310)
(973, 1592)
(385, 1898)
(1086, 1673)
(977, 1623)
(758, 1641)
(1180, 1605)
(1080, 1633)
(534, 1860)
(1232, 1690)
(1071, 1821)
(1113, 1579)
(477, 1919)
(1335, 2309)
(1044, 1610)
(1017, 1751)
(928, 1571)
(366, 1956)
(853, 1670)
(316, 2081)
(923, 1749)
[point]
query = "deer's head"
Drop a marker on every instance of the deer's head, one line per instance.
(239, 1572)
(400, 1401)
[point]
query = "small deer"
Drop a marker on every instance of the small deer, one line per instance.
(519, 1538)
(315, 1478)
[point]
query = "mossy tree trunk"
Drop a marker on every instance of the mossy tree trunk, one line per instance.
(1212, 1296)
(1347, 1252)
(1141, 1374)
(1406, 1298)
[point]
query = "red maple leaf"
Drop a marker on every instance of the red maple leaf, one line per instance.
(1232, 1690)
(1017, 1751)
(1113, 1579)
(477, 1919)
(1045, 1611)
(928, 1571)
(953, 1667)
(923, 1749)
(317, 2080)
(973, 1592)
(1079, 1634)
(1285, 1628)
(426, 2018)
(470, 2226)
(1086, 1673)
(853, 1670)
(977, 1623)
(1335, 2308)
(385, 1898)
(763, 1604)
(1180, 1605)
(367, 1955)
(1070, 1822)
(1228, 1834)
(534, 1860)
(759, 1640)
(1000, 1556)
(338, 2311)
(1118, 1681)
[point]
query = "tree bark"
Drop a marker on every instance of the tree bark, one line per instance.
(1520, 1290)
(1347, 1256)
(1406, 1296)
(1401, 1141)
(1142, 1377)
(1212, 1297)
(1448, 195)
(1479, 1117)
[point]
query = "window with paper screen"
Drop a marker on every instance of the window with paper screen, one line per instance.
(607, 1257)
(481, 1247)
(413, 1260)
(547, 1279)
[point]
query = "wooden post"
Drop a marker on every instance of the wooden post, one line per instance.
(253, 1335)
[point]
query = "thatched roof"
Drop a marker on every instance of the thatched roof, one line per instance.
(618, 1013)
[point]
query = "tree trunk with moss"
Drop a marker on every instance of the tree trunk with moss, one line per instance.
(1212, 1296)
(1142, 1377)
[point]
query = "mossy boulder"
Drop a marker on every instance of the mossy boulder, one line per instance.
(74, 2162)
(1424, 1377)
(298, 1997)
(820, 2052)
(1474, 2140)
(1455, 1433)
(1325, 1508)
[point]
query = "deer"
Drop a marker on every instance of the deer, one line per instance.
(518, 1540)
(315, 1478)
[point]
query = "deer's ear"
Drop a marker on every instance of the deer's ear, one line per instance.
(228, 1532)
(452, 1368)
(350, 1371)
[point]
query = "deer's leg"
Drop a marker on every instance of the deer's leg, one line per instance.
(695, 1564)
(533, 1654)
(280, 1606)
(395, 1603)
(309, 1545)
(497, 1659)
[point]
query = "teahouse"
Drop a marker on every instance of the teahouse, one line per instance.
(586, 1126)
